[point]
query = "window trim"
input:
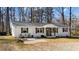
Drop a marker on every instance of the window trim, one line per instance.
(55, 30)
(40, 30)
(65, 30)
(23, 29)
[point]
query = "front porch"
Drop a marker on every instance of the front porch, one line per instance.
(51, 32)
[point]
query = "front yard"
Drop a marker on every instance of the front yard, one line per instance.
(8, 43)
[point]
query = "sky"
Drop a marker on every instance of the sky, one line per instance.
(75, 10)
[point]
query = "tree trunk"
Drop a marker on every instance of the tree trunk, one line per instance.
(63, 21)
(70, 22)
(7, 21)
(0, 20)
(49, 14)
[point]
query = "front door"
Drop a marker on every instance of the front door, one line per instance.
(48, 31)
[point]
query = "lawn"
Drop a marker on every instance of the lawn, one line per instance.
(9, 43)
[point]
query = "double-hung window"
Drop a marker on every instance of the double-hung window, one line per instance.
(24, 30)
(65, 29)
(39, 30)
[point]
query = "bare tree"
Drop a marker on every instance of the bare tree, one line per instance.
(12, 13)
(7, 21)
(49, 14)
(21, 14)
(61, 12)
(40, 14)
(0, 19)
(70, 21)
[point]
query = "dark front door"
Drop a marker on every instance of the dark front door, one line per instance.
(48, 31)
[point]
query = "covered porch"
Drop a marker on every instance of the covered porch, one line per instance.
(51, 30)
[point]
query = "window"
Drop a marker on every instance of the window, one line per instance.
(55, 30)
(65, 29)
(39, 30)
(24, 30)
